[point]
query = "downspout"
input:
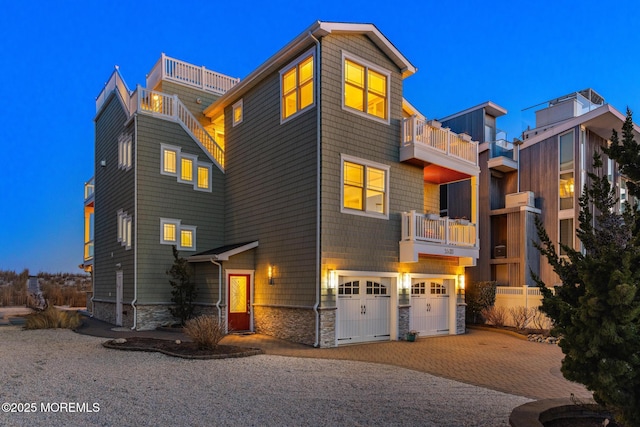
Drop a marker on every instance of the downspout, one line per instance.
(219, 288)
(318, 161)
(135, 237)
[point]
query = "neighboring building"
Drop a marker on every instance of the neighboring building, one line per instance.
(540, 175)
(306, 196)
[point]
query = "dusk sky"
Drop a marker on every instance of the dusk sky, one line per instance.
(56, 57)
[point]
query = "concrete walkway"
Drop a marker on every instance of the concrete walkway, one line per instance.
(489, 359)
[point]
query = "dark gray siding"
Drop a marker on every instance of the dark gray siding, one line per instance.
(471, 123)
(162, 196)
(352, 242)
(189, 97)
(271, 193)
(113, 191)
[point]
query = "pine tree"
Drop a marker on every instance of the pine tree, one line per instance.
(596, 311)
(184, 291)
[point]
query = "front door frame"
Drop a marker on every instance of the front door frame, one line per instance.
(233, 272)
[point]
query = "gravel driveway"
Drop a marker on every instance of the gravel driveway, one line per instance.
(69, 379)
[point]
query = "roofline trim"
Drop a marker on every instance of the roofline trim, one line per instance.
(223, 256)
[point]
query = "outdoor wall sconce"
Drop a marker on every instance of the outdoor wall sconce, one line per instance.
(332, 283)
(461, 284)
(406, 280)
(270, 274)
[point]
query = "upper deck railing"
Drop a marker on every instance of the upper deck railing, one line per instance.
(443, 140)
(115, 82)
(172, 69)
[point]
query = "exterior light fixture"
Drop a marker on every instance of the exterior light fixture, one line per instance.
(406, 280)
(461, 284)
(332, 283)
(270, 274)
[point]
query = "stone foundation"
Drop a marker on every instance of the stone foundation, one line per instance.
(460, 318)
(106, 311)
(328, 328)
(403, 321)
(291, 324)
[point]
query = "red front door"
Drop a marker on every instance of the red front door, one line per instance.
(239, 313)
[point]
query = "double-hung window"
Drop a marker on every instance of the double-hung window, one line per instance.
(365, 187)
(185, 167)
(125, 229)
(297, 87)
(365, 88)
(125, 149)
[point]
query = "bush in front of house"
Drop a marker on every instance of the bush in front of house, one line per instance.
(205, 330)
(53, 318)
(479, 296)
(496, 316)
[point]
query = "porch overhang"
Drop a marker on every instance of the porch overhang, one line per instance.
(223, 253)
(411, 251)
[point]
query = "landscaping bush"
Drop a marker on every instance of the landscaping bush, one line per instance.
(521, 316)
(205, 330)
(540, 321)
(479, 296)
(184, 291)
(53, 318)
(496, 316)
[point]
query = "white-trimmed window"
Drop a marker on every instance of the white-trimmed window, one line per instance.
(238, 113)
(169, 159)
(365, 88)
(185, 167)
(364, 187)
(124, 229)
(125, 147)
(203, 178)
(172, 232)
(297, 87)
(566, 181)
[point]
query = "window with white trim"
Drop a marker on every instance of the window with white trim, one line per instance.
(364, 187)
(185, 167)
(125, 229)
(297, 87)
(365, 88)
(125, 145)
(173, 232)
(237, 111)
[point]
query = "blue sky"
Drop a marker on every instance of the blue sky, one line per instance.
(56, 56)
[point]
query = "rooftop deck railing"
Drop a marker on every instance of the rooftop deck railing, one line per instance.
(172, 69)
(443, 140)
(115, 82)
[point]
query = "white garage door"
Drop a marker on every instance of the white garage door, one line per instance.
(363, 310)
(429, 312)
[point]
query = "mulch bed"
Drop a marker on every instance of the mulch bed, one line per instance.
(185, 349)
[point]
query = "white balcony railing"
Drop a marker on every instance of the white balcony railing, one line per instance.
(115, 82)
(88, 251)
(430, 135)
(170, 107)
(441, 230)
(171, 69)
(89, 189)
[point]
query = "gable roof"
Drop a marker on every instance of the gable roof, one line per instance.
(222, 253)
(317, 30)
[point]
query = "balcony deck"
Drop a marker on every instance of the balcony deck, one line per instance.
(445, 155)
(432, 235)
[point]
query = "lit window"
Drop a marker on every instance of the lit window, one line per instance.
(364, 187)
(297, 86)
(186, 169)
(237, 112)
(169, 232)
(566, 182)
(172, 232)
(203, 177)
(170, 160)
(365, 89)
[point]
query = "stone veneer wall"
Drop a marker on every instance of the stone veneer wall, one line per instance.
(149, 316)
(328, 327)
(460, 318)
(403, 321)
(106, 311)
(292, 324)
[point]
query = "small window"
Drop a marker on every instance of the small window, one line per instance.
(374, 288)
(125, 225)
(418, 288)
(169, 159)
(204, 177)
(366, 89)
(349, 288)
(186, 169)
(172, 232)
(237, 112)
(125, 145)
(364, 187)
(297, 88)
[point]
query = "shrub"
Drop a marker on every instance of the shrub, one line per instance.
(53, 318)
(479, 296)
(496, 316)
(540, 321)
(205, 330)
(184, 290)
(521, 316)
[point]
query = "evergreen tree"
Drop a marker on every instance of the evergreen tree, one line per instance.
(184, 291)
(596, 311)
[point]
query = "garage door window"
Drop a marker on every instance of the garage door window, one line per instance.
(374, 288)
(350, 288)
